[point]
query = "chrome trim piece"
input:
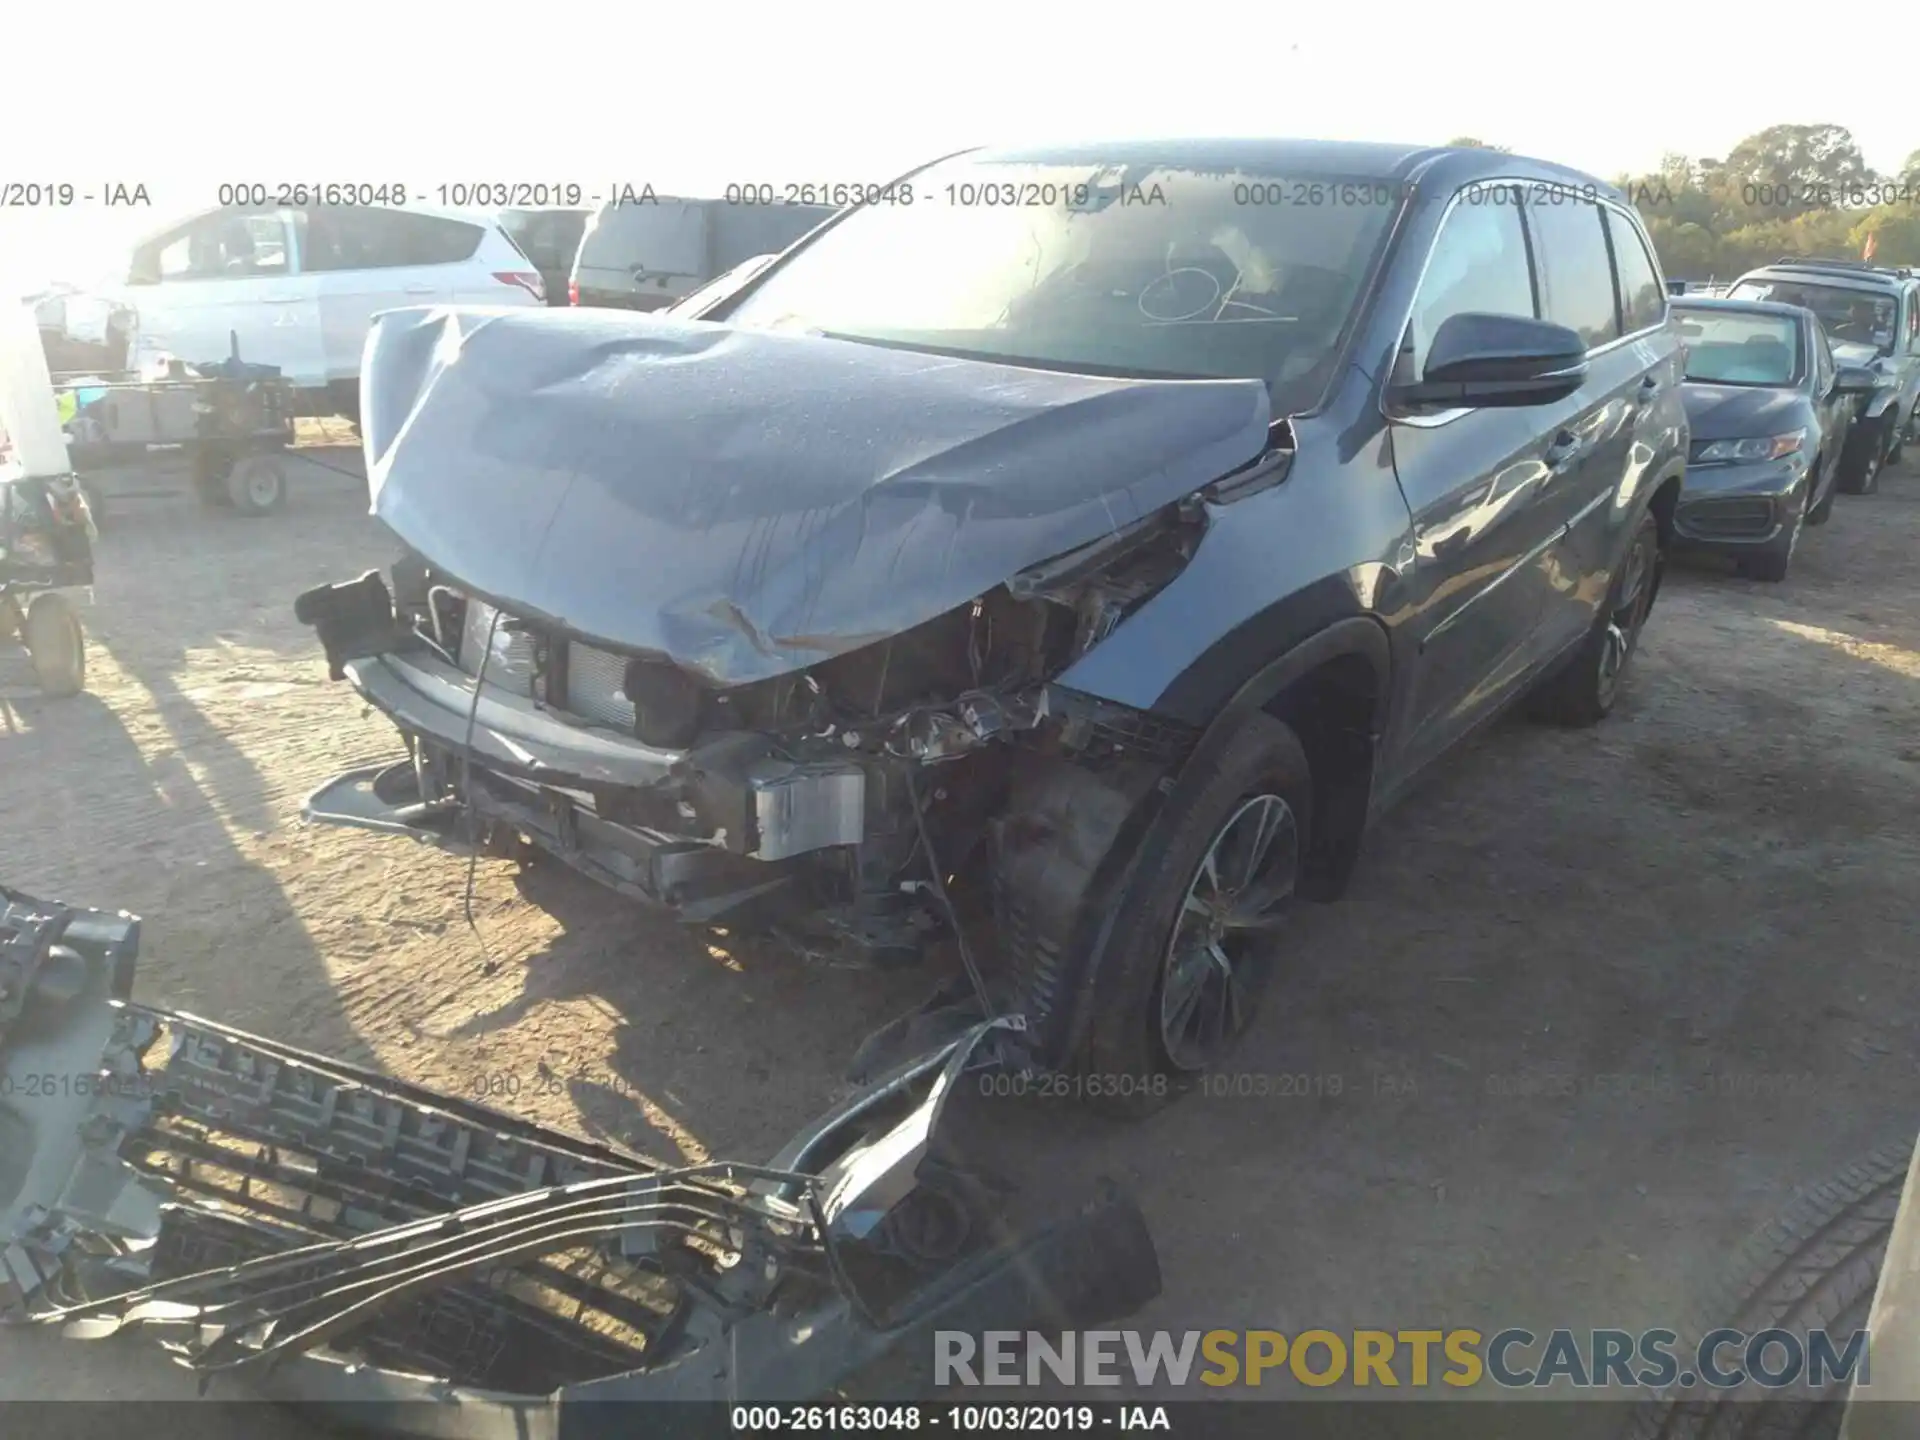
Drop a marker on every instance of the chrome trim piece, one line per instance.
(1587, 509)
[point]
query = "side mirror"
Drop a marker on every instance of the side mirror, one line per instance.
(1853, 380)
(1480, 361)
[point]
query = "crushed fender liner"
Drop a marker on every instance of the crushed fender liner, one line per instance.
(327, 1234)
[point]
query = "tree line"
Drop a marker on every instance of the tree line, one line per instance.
(1788, 190)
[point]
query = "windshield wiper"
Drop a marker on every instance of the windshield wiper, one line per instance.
(1025, 362)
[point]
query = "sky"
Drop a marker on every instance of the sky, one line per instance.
(693, 99)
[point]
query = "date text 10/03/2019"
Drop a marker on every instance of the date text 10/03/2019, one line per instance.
(958, 1419)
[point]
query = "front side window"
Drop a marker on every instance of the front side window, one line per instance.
(1478, 265)
(1733, 347)
(1576, 271)
(1143, 269)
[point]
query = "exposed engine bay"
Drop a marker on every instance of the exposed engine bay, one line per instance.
(842, 798)
(328, 1234)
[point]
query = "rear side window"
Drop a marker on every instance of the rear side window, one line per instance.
(549, 238)
(1478, 265)
(350, 238)
(1576, 272)
(1643, 301)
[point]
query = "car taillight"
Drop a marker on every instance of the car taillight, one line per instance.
(573, 292)
(527, 280)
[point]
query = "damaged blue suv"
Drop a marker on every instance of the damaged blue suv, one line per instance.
(1103, 535)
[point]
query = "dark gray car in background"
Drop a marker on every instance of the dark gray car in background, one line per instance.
(1770, 411)
(1107, 536)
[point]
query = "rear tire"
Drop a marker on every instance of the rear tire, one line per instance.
(1191, 955)
(1815, 1267)
(1584, 690)
(257, 485)
(57, 645)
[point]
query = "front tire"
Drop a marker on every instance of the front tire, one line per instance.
(1865, 457)
(1191, 952)
(1584, 691)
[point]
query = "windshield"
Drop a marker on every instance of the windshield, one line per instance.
(1731, 348)
(1847, 314)
(1148, 270)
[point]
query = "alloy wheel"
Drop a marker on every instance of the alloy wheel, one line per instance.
(1623, 622)
(1232, 905)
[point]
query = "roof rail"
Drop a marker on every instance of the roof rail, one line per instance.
(1865, 267)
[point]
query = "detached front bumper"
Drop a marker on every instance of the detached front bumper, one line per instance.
(327, 1234)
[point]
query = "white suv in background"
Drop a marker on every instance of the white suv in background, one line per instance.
(299, 287)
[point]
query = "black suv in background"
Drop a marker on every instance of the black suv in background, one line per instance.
(1871, 314)
(1114, 531)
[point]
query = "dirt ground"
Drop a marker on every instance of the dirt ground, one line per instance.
(1596, 1005)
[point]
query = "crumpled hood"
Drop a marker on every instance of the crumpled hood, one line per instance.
(749, 503)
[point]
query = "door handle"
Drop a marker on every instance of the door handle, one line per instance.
(1565, 446)
(281, 299)
(419, 290)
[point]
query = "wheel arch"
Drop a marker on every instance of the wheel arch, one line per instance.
(1338, 683)
(1077, 839)
(1661, 504)
(1333, 689)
